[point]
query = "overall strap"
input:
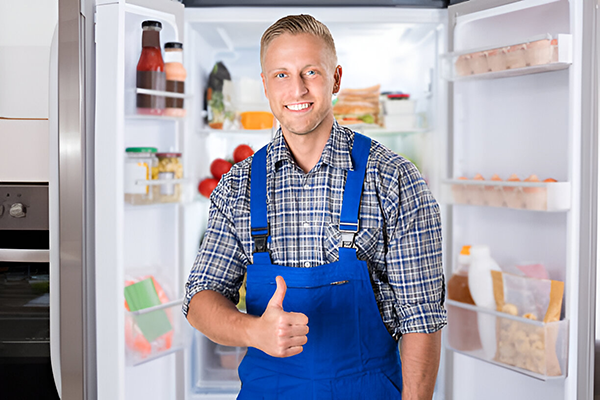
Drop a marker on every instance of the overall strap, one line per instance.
(258, 201)
(353, 189)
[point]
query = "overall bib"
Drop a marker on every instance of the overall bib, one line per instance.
(349, 354)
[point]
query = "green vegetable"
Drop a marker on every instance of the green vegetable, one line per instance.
(367, 119)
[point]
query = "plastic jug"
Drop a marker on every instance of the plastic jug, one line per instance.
(463, 330)
(482, 291)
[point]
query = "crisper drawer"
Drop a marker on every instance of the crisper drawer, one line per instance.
(530, 347)
(153, 332)
(215, 367)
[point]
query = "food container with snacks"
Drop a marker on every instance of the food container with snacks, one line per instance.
(139, 164)
(168, 169)
(230, 357)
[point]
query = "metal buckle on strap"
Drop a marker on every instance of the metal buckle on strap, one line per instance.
(348, 232)
(260, 236)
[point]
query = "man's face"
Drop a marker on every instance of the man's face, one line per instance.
(299, 76)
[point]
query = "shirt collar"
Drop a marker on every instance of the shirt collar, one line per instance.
(336, 152)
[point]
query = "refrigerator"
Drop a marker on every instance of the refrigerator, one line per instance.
(530, 117)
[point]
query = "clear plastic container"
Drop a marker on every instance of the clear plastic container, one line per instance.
(530, 347)
(230, 357)
(168, 168)
(139, 162)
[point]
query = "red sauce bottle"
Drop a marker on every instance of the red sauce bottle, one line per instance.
(151, 70)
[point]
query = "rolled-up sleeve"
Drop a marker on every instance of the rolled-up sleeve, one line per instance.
(221, 262)
(414, 255)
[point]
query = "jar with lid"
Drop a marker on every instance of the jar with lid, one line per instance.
(150, 71)
(139, 164)
(168, 168)
(176, 75)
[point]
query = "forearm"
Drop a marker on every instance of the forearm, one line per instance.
(420, 363)
(219, 319)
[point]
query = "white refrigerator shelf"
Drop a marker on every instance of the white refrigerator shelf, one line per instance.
(533, 348)
(536, 196)
(538, 54)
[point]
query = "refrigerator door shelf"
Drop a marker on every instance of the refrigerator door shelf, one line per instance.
(533, 196)
(151, 322)
(533, 348)
(210, 131)
(535, 55)
(214, 366)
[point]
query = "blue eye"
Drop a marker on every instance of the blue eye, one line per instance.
(311, 72)
(280, 75)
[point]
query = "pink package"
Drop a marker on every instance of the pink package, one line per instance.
(534, 271)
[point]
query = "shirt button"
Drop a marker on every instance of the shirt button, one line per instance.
(306, 225)
(307, 264)
(306, 187)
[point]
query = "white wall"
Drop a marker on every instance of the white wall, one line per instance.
(26, 30)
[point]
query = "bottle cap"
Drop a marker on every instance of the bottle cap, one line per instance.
(174, 45)
(152, 24)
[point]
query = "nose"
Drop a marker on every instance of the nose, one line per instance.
(298, 87)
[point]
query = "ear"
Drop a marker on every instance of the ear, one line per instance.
(337, 79)
(262, 76)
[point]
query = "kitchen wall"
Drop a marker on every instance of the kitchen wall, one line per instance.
(26, 30)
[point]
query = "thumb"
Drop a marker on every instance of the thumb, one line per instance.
(277, 299)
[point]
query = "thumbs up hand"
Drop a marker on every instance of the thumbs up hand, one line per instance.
(280, 333)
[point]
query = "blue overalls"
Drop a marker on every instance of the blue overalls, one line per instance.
(349, 354)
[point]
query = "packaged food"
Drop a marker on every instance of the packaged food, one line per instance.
(230, 357)
(539, 52)
(464, 334)
(257, 120)
(168, 168)
(520, 343)
(148, 333)
(216, 103)
(358, 106)
(139, 164)
(175, 75)
(493, 194)
(151, 70)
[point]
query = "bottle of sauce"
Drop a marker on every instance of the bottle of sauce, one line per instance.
(151, 70)
(175, 78)
(464, 332)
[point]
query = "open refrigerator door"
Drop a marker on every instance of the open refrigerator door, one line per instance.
(514, 182)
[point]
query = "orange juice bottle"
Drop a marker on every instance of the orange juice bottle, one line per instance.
(462, 324)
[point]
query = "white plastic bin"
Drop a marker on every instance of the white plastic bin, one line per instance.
(530, 347)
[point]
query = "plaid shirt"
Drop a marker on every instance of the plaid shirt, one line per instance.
(399, 237)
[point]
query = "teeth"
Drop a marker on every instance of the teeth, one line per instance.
(298, 107)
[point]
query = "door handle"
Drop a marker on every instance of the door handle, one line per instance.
(18, 255)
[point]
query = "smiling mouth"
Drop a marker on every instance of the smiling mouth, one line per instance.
(298, 107)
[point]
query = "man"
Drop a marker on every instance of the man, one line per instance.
(336, 233)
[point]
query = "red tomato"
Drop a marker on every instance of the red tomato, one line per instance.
(219, 167)
(242, 152)
(206, 186)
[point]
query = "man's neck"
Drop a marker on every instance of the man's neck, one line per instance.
(307, 149)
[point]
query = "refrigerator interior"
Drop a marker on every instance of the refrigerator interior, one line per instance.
(396, 48)
(523, 124)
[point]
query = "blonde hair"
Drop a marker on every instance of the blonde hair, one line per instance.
(295, 25)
